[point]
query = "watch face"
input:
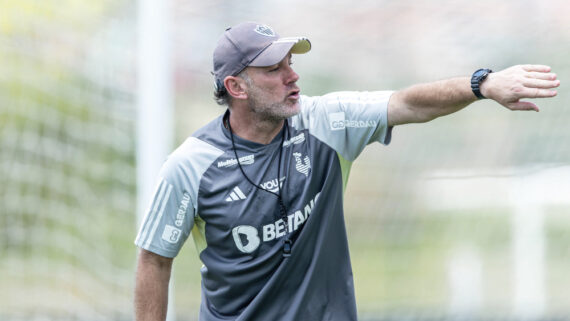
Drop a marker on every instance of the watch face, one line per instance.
(480, 73)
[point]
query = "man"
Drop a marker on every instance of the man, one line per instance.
(260, 188)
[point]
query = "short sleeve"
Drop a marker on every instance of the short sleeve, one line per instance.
(347, 121)
(170, 216)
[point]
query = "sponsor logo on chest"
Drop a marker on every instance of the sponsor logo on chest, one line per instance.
(295, 140)
(247, 238)
(245, 160)
(272, 186)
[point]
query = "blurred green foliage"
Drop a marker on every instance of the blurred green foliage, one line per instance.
(67, 144)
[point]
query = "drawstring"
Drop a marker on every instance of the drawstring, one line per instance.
(287, 243)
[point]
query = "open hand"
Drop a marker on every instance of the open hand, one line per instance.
(510, 85)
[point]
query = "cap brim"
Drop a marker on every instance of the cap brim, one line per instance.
(275, 52)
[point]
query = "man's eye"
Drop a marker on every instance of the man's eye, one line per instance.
(274, 69)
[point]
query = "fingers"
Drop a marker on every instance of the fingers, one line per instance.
(541, 75)
(539, 68)
(523, 81)
(537, 93)
(540, 83)
(523, 105)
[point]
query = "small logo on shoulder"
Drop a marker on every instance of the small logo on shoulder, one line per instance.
(245, 160)
(182, 209)
(337, 121)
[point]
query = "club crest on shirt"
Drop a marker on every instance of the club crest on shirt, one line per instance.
(302, 165)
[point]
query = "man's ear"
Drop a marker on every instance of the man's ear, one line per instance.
(236, 87)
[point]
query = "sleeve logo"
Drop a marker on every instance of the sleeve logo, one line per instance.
(171, 234)
(182, 209)
(337, 121)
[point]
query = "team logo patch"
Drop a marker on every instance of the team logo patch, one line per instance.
(264, 30)
(302, 165)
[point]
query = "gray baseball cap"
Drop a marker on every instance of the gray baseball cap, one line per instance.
(252, 44)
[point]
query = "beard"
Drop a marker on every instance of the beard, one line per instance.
(277, 111)
(264, 105)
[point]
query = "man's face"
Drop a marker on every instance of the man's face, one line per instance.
(272, 92)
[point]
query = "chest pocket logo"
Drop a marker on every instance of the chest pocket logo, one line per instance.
(302, 165)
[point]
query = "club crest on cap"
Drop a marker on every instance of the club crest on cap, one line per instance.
(264, 30)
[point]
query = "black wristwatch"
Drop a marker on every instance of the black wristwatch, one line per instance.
(476, 80)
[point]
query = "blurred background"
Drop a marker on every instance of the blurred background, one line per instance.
(465, 217)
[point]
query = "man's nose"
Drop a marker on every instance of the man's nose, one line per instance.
(292, 76)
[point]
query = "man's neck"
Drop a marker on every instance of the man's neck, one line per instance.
(249, 126)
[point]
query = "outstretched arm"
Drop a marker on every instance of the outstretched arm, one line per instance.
(424, 102)
(151, 290)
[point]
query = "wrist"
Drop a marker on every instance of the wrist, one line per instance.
(485, 86)
(477, 82)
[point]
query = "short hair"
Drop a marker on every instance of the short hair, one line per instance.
(221, 95)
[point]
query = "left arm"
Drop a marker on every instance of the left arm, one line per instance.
(424, 102)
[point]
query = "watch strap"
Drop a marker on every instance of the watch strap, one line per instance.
(476, 80)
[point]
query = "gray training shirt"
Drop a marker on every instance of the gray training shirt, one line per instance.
(238, 229)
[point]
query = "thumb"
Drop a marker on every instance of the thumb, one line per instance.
(522, 105)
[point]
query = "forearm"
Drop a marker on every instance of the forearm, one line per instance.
(151, 290)
(424, 102)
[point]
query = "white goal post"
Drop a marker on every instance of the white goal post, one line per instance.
(154, 103)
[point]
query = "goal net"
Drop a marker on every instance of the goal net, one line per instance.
(67, 167)
(465, 217)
